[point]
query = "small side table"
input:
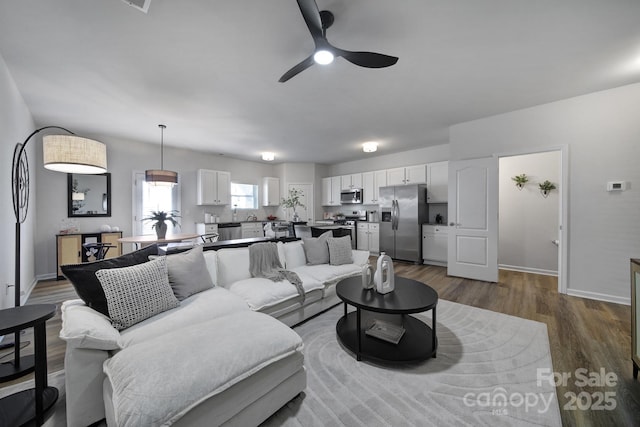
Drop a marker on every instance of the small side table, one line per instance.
(18, 408)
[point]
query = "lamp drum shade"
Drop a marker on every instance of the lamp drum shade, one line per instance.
(74, 154)
(160, 177)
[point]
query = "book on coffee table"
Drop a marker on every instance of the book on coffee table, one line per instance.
(386, 331)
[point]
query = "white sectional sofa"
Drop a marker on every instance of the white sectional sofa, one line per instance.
(219, 358)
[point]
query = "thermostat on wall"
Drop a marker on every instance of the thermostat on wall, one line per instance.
(616, 186)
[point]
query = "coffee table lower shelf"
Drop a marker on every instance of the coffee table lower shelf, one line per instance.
(416, 344)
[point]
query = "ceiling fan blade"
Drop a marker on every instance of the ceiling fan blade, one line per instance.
(367, 59)
(297, 69)
(311, 15)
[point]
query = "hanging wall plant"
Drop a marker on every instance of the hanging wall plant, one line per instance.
(546, 187)
(520, 180)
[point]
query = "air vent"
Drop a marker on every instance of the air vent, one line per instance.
(142, 5)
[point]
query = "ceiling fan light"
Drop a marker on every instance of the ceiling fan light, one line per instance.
(268, 156)
(323, 57)
(370, 147)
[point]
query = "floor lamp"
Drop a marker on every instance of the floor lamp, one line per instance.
(61, 153)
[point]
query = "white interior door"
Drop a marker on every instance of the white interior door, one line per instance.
(473, 219)
(306, 213)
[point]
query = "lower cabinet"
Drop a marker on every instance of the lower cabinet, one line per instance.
(69, 247)
(435, 240)
(251, 229)
(368, 237)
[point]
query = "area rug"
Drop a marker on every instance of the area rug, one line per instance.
(485, 374)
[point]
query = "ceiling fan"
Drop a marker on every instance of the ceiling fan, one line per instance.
(324, 53)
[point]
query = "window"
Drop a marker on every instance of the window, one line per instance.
(244, 196)
(149, 198)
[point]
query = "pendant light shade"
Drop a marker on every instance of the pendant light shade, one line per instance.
(161, 177)
(74, 154)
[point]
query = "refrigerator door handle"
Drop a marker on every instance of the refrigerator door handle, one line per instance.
(395, 214)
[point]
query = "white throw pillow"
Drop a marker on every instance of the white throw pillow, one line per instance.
(294, 254)
(138, 292)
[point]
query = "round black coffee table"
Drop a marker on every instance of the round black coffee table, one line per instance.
(374, 310)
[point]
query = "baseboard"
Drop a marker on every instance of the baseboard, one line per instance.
(430, 262)
(528, 270)
(25, 293)
(48, 276)
(598, 296)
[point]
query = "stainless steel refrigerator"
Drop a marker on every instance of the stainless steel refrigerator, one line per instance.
(403, 210)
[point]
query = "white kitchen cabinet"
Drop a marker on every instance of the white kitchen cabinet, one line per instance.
(270, 191)
(331, 191)
(251, 229)
(408, 175)
(371, 183)
(213, 187)
(434, 244)
(368, 236)
(350, 182)
(438, 182)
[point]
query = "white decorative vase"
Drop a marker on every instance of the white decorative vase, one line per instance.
(384, 277)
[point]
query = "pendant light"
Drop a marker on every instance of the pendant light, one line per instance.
(161, 177)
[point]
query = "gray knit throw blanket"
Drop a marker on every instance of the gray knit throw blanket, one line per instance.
(264, 262)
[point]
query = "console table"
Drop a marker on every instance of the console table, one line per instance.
(18, 409)
(419, 341)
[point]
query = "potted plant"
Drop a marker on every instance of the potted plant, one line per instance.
(293, 201)
(159, 218)
(520, 180)
(546, 187)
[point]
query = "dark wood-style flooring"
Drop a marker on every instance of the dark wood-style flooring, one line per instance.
(583, 333)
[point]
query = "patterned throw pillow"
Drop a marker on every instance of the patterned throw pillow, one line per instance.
(138, 292)
(340, 250)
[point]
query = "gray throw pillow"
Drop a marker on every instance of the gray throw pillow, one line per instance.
(316, 250)
(136, 293)
(340, 250)
(188, 273)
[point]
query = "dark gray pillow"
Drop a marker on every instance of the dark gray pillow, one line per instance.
(316, 250)
(340, 250)
(188, 273)
(138, 292)
(87, 286)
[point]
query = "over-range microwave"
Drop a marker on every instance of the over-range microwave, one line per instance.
(350, 197)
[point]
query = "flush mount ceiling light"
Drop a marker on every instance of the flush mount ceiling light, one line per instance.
(370, 147)
(161, 177)
(268, 156)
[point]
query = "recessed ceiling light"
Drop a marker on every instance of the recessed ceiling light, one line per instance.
(268, 156)
(370, 147)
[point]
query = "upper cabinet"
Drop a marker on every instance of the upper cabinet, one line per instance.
(407, 175)
(371, 183)
(331, 191)
(349, 182)
(213, 187)
(438, 182)
(270, 191)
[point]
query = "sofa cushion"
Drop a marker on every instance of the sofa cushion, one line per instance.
(294, 255)
(260, 293)
(138, 292)
(244, 344)
(211, 260)
(188, 273)
(316, 249)
(198, 308)
(328, 274)
(87, 286)
(83, 327)
(340, 250)
(233, 265)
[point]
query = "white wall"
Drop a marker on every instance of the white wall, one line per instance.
(16, 124)
(602, 132)
(528, 222)
(124, 157)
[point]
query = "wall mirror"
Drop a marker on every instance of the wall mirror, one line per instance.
(88, 195)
